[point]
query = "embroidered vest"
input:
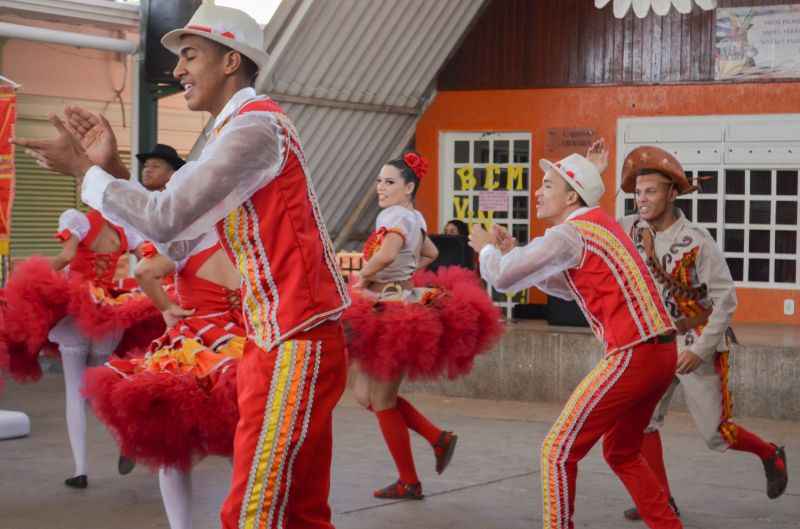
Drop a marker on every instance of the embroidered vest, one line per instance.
(279, 243)
(613, 286)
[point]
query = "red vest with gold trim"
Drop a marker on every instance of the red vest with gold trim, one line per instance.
(279, 243)
(613, 286)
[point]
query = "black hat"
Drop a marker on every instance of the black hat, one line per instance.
(166, 153)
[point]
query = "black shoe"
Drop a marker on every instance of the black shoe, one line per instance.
(125, 465)
(443, 450)
(777, 478)
(634, 516)
(77, 482)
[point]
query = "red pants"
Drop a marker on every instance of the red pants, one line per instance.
(615, 400)
(283, 443)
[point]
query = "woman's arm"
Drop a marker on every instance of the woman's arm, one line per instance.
(149, 273)
(428, 254)
(68, 250)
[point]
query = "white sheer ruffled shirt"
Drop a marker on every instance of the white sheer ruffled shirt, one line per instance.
(244, 156)
(541, 263)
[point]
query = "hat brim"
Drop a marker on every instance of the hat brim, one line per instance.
(629, 182)
(172, 41)
(547, 165)
(176, 163)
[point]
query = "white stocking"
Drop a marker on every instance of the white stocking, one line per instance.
(176, 493)
(74, 365)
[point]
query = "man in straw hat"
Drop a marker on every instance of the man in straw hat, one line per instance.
(697, 287)
(587, 257)
(251, 184)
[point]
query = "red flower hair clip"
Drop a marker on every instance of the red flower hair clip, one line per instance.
(417, 163)
(148, 249)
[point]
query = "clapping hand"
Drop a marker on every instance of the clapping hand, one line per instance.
(479, 237)
(97, 138)
(63, 154)
(504, 240)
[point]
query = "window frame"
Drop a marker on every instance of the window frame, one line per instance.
(722, 143)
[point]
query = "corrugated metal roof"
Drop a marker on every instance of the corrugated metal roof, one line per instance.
(345, 149)
(354, 76)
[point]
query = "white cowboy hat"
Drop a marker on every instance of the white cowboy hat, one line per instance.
(230, 27)
(580, 174)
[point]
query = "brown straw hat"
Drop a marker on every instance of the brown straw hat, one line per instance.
(649, 159)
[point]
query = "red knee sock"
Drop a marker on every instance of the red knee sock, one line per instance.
(653, 452)
(418, 422)
(747, 441)
(397, 439)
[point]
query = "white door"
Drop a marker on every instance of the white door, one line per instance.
(485, 178)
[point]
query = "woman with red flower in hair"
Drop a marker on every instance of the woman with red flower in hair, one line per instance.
(409, 325)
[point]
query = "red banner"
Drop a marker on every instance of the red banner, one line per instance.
(8, 106)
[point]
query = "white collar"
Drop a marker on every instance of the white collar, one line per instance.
(233, 104)
(579, 211)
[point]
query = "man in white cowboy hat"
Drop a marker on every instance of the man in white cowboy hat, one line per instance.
(587, 257)
(251, 184)
(696, 284)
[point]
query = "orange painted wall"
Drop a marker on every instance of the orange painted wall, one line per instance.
(598, 108)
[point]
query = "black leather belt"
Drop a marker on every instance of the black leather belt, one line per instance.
(662, 339)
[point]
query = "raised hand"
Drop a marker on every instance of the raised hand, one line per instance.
(97, 138)
(62, 154)
(598, 155)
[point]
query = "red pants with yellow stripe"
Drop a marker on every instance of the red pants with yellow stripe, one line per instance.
(283, 443)
(615, 401)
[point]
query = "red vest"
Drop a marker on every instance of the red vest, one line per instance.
(99, 268)
(278, 242)
(613, 286)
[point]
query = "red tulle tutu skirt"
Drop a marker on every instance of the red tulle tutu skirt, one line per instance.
(440, 336)
(37, 297)
(176, 404)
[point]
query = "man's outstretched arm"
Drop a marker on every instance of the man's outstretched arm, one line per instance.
(244, 158)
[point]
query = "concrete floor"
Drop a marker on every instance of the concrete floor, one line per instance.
(492, 483)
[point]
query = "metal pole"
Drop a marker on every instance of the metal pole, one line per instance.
(145, 103)
(18, 31)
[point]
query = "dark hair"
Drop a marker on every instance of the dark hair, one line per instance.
(250, 69)
(461, 226)
(408, 174)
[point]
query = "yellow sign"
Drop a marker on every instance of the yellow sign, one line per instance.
(469, 181)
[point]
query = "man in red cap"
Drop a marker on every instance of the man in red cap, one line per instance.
(251, 184)
(700, 296)
(587, 257)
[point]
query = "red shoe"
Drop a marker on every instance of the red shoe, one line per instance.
(443, 449)
(400, 491)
